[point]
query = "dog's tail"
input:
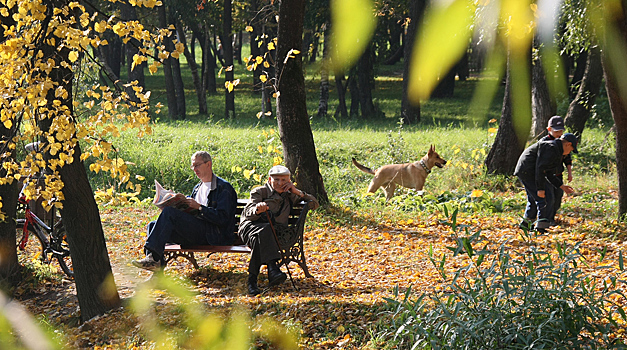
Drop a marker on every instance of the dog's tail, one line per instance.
(363, 168)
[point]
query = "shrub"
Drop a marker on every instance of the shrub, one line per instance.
(510, 300)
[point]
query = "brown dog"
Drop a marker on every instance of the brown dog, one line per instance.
(410, 175)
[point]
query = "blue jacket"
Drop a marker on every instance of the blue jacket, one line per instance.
(220, 209)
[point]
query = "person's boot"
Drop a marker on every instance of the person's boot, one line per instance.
(275, 276)
(253, 289)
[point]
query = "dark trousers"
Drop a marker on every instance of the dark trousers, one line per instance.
(175, 226)
(537, 207)
(258, 236)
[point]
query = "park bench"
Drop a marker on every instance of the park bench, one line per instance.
(293, 250)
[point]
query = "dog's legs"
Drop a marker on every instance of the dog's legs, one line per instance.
(389, 191)
(375, 183)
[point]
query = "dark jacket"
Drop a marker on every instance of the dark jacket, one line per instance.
(278, 204)
(566, 160)
(539, 162)
(220, 209)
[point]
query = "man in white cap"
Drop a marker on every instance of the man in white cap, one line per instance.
(274, 201)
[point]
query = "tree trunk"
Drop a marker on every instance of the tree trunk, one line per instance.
(193, 66)
(255, 39)
(227, 50)
(237, 52)
(409, 112)
(618, 104)
(9, 266)
(580, 69)
(323, 102)
(341, 96)
(365, 79)
(294, 128)
(543, 107)
(462, 67)
(112, 53)
(179, 88)
(128, 13)
(354, 91)
(95, 287)
(579, 109)
(446, 86)
(167, 68)
(506, 148)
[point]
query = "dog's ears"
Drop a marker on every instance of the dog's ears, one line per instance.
(431, 149)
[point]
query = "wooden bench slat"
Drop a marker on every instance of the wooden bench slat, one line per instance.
(208, 248)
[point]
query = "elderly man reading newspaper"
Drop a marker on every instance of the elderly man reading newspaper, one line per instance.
(205, 217)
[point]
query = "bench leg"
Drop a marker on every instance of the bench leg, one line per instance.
(297, 255)
(167, 256)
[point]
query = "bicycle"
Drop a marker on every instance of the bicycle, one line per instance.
(52, 238)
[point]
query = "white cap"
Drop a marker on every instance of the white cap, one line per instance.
(279, 170)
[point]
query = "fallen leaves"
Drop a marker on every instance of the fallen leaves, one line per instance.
(355, 265)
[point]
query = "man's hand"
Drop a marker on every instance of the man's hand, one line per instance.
(541, 193)
(261, 207)
(289, 187)
(567, 189)
(192, 203)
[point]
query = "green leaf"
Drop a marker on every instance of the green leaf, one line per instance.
(441, 41)
(352, 22)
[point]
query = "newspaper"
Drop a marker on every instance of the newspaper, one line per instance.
(168, 198)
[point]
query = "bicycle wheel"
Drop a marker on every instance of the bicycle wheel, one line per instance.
(61, 250)
(33, 246)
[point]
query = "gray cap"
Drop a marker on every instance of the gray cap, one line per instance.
(279, 170)
(572, 139)
(556, 123)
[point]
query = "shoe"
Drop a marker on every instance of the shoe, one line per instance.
(148, 263)
(275, 276)
(253, 289)
(526, 225)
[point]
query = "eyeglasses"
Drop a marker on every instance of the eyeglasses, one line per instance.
(194, 166)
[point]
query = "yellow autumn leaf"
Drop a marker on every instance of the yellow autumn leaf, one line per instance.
(249, 29)
(73, 56)
(476, 193)
(263, 78)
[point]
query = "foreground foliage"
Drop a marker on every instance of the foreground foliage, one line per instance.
(531, 299)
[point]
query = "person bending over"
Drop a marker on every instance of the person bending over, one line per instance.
(536, 169)
(554, 200)
(215, 201)
(273, 202)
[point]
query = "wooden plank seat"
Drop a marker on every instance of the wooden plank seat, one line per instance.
(292, 249)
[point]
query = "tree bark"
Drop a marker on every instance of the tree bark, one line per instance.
(446, 86)
(128, 13)
(341, 96)
(506, 148)
(323, 102)
(579, 109)
(543, 107)
(353, 88)
(179, 88)
(365, 78)
(9, 266)
(227, 49)
(618, 104)
(298, 145)
(193, 66)
(95, 287)
(170, 92)
(580, 68)
(410, 112)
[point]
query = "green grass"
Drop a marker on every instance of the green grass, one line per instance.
(460, 138)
